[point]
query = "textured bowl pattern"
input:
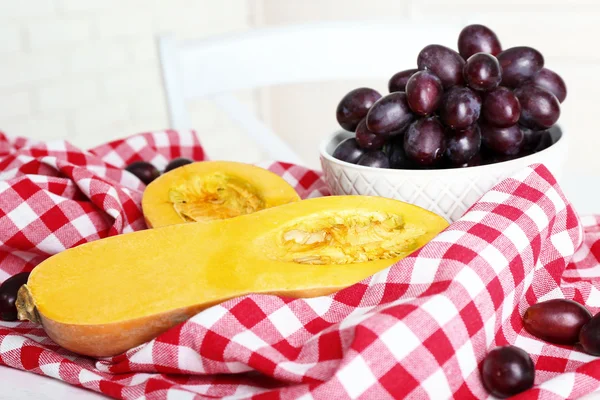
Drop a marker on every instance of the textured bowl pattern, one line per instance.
(448, 193)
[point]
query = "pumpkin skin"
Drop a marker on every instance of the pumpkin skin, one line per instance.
(107, 296)
(213, 190)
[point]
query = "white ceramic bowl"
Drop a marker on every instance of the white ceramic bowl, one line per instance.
(447, 192)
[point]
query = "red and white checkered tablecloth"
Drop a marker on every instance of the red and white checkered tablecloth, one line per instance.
(418, 329)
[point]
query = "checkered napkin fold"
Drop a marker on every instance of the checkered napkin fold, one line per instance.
(418, 329)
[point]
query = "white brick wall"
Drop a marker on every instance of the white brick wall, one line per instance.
(84, 6)
(15, 104)
(87, 70)
(12, 39)
(66, 95)
(28, 70)
(100, 119)
(103, 57)
(135, 24)
(58, 32)
(30, 8)
(39, 127)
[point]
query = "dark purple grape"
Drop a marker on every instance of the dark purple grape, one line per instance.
(552, 82)
(425, 142)
(8, 295)
(473, 162)
(462, 146)
(424, 92)
(507, 141)
(540, 109)
(397, 82)
(397, 155)
(375, 159)
(445, 63)
(494, 158)
(367, 139)
(144, 171)
(389, 114)
(348, 150)
(177, 162)
(519, 64)
(531, 138)
(478, 39)
(589, 336)
(482, 72)
(501, 107)
(460, 107)
(396, 137)
(556, 321)
(507, 371)
(354, 106)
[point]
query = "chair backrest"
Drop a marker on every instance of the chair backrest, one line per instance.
(217, 66)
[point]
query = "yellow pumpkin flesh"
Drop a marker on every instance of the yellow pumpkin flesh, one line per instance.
(107, 296)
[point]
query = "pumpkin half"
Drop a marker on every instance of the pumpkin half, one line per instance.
(107, 296)
(209, 190)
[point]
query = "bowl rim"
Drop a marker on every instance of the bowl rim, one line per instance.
(526, 160)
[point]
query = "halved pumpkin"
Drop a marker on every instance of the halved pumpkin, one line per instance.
(209, 190)
(107, 296)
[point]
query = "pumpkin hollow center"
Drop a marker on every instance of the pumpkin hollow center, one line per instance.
(346, 237)
(215, 196)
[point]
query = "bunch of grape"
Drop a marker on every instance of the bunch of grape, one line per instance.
(147, 172)
(495, 106)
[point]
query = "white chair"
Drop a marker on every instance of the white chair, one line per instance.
(213, 68)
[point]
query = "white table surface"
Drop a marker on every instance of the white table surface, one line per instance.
(582, 191)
